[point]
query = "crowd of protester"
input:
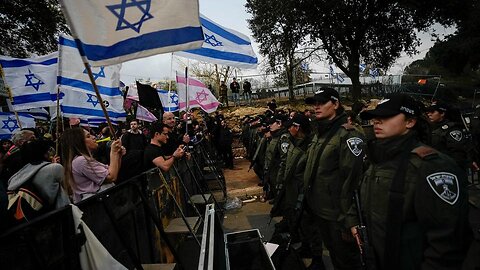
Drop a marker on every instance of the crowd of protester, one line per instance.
(40, 173)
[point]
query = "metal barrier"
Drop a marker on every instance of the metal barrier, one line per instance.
(129, 219)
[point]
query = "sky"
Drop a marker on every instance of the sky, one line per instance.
(232, 14)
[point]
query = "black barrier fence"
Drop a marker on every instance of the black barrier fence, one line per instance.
(129, 219)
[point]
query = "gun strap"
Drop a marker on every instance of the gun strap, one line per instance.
(393, 235)
(329, 136)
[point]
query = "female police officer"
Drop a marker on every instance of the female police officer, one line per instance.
(413, 198)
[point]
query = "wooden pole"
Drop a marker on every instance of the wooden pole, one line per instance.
(100, 100)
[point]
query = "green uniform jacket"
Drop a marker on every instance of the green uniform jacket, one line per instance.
(294, 170)
(434, 211)
(330, 177)
(449, 138)
(272, 159)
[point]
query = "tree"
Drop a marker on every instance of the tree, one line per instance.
(282, 36)
(30, 26)
(374, 31)
(301, 74)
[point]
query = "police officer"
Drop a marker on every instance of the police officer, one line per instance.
(332, 172)
(413, 197)
(272, 154)
(448, 136)
(291, 176)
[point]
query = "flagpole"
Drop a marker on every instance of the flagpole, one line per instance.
(57, 132)
(99, 98)
(10, 96)
(186, 98)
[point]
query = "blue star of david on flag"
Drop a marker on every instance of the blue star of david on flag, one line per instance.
(30, 76)
(6, 124)
(174, 99)
(212, 40)
(96, 75)
(92, 99)
(133, 7)
(202, 96)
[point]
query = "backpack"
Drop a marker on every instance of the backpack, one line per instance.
(25, 203)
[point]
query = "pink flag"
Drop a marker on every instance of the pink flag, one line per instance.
(145, 115)
(198, 95)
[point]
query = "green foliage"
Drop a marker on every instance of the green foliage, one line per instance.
(277, 27)
(30, 26)
(376, 31)
(300, 76)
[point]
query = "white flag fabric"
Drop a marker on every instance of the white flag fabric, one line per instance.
(145, 115)
(198, 95)
(10, 125)
(32, 80)
(79, 98)
(115, 31)
(169, 100)
(37, 113)
(223, 46)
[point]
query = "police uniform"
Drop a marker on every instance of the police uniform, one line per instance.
(434, 209)
(330, 177)
(427, 229)
(272, 164)
(448, 137)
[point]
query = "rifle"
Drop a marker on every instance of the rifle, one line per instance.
(361, 236)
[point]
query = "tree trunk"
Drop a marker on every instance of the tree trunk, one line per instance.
(356, 87)
(290, 69)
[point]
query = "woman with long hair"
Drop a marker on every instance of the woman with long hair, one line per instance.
(84, 175)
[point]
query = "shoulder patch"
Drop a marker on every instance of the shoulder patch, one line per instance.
(284, 147)
(445, 185)
(354, 144)
(284, 142)
(456, 135)
(424, 151)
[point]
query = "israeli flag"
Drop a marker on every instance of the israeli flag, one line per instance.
(332, 72)
(223, 46)
(362, 67)
(374, 72)
(169, 100)
(32, 80)
(37, 113)
(79, 98)
(10, 125)
(114, 31)
(340, 78)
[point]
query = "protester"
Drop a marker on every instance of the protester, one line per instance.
(235, 88)
(12, 160)
(413, 198)
(225, 140)
(43, 178)
(134, 138)
(247, 91)
(84, 175)
(224, 94)
(155, 155)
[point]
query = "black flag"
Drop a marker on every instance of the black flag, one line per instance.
(148, 96)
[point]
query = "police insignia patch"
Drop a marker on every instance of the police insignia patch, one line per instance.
(456, 135)
(354, 145)
(284, 147)
(445, 185)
